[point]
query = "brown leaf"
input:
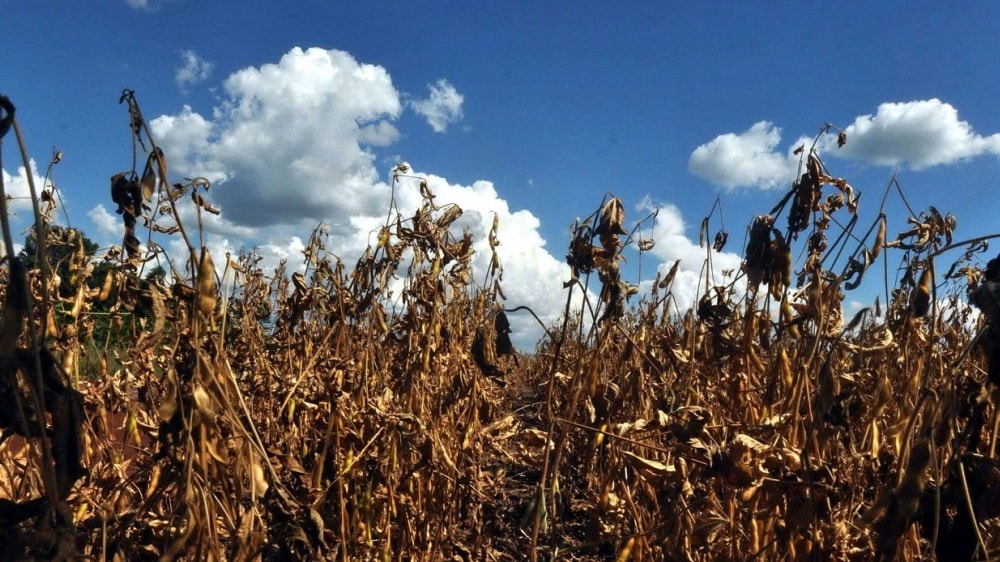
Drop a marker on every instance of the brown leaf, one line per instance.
(670, 275)
(649, 469)
(612, 218)
(148, 180)
(204, 204)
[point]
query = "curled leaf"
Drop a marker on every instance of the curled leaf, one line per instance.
(612, 218)
(669, 278)
(721, 237)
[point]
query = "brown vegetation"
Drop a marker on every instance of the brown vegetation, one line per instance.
(235, 414)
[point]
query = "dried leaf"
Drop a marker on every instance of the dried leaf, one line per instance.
(669, 278)
(612, 218)
(649, 469)
(148, 180)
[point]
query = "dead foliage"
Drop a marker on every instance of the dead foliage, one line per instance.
(378, 410)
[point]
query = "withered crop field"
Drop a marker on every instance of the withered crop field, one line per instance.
(203, 407)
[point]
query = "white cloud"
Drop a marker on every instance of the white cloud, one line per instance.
(748, 159)
(290, 146)
(531, 275)
(918, 134)
(672, 244)
(109, 226)
(193, 70)
(149, 6)
(442, 108)
(290, 141)
(16, 187)
(290, 250)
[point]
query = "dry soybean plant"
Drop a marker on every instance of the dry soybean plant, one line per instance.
(202, 407)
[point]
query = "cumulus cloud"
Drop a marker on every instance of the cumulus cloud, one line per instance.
(917, 134)
(193, 69)
(442, 108)
(109, 226)
(291, 141)
(17, 249)
(672, 244)
(291, 145)
(747, 159)
(17, 187)
(531, 275)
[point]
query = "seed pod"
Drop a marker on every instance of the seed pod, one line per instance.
(206, 283)
(78, 302)
(154, 480)
(51, 328)
(879, 238)
(259, 480)
(906, 500)
(626, 552)
(81, 511)
(829, 387)
(788, 319)
(754, 361)
(783, 261)
(380, 319)
(132, 428)
(106, 287)
(785, 368)
(599, 435)
(920, 302)
(69, 362)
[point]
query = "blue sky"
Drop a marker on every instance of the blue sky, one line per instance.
(298, 111)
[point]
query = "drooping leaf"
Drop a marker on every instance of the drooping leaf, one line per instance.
(612, 218)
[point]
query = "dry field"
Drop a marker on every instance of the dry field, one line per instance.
(224, 412)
